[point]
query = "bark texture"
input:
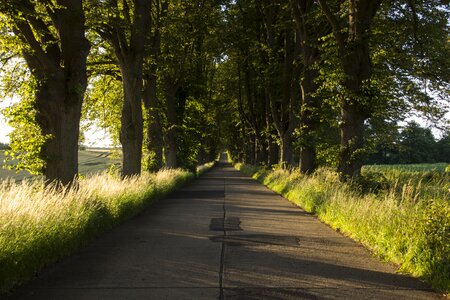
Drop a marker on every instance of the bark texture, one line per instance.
(58, 62)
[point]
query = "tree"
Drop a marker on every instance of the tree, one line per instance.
(309, 32)
(417, 145)
(124, 29)
(351, 32)
(185, 66)
(54, 46)
(154, 140)
(443, 148)
(284, 106)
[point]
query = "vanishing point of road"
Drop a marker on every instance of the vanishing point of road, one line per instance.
(223, 236)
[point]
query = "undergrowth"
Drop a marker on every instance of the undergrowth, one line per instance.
(40, 224)
(406, 219)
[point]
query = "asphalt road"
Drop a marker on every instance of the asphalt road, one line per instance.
(224, 236)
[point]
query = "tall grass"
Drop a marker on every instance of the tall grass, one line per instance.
(39, 224)
(407, 221)
(437, 167)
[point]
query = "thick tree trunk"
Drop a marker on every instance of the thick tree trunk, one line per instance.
(355, 108)
(154, 142)
(352, 141)
(60, 72)
(131, 132)
(127, 37)
(58, 115)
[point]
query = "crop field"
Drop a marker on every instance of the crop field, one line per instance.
(438, 167)
(90, 161)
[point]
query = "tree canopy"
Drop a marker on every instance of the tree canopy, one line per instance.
(290, 83)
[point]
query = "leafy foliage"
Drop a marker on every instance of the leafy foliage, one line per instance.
(26, 140)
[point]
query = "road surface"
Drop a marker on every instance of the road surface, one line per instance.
(224, 236)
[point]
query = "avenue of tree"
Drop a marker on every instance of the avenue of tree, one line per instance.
(289, 82)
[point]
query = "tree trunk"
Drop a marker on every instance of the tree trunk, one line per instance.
(131, 132)
(261, 149)
(60, 72)
(154, 142)
(286, 154)
(306, 43)
(309, 87)
(355, 108)
(127, 37)
(352, 141)
(273, 152)
(251, 149)
(171, 145)
(58, 115)
(354, 52)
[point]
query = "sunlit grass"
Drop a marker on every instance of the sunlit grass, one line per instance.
(203, 168)
(40, 224)
(407, 221)
(439, 167)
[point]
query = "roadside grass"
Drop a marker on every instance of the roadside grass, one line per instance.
(40, 224)
(205, 167)
(405, 220)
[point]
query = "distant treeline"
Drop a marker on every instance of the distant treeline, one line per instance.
(4, 146)
(410, 145)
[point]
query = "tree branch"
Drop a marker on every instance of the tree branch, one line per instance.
(25, 32)
(333, 21)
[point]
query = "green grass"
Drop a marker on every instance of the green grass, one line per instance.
(39, 224)
(203, 168)
(405, 220)
(438, 167)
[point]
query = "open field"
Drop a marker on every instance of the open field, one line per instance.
(401, 216)
(90, 161)
(438, 167)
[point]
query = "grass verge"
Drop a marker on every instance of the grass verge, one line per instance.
(205, 167)
(407, 222)
(39, 225)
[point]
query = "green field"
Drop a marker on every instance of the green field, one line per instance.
(438, 167)
(90, 161)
